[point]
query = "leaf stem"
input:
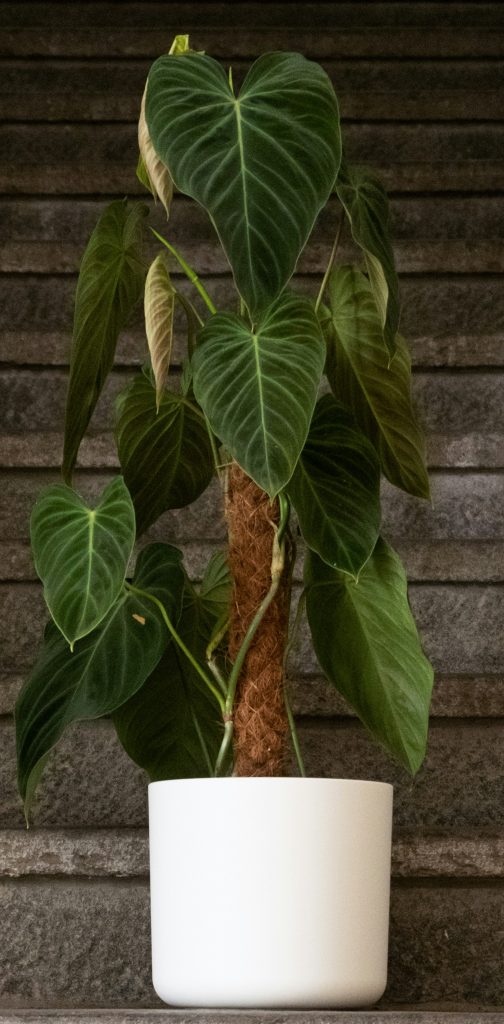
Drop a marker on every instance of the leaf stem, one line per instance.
(180, 643)
(188, 271)
(294, 735)
(329, 267)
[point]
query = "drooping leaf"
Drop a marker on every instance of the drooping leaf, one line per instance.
(105, 669)
(262, 164)
(172, 727)
(335, 489)
(258, 387)
(81, 554)
(159, 307)
(151, 171)
(367, 644)
(165, 455)
(366, 205)
(110, 283)
(377, 391)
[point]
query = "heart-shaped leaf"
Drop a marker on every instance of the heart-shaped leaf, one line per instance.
(110, 283)
(159, 308)
(81, 553)
(263, 164)
(173, 727)
(165, 455)
(366, 205)
(258, 387)
(335, 489)
(377, 390)
(367, 644)
(106, 668)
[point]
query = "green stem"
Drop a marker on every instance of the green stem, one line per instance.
(180, 643)
(294, 735)
(330, 264)
(188, 271)
(277, 566)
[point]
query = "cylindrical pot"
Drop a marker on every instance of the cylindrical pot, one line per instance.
(270, 892)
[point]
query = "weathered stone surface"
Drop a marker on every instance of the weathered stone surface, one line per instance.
(124, 853)
(90, 783)
(437, 90)
(89, 944)
(449, 321)
(91, 159)
(48, 236)
(377, 1016)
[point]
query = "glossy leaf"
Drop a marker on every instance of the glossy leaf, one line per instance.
(366, 205)
(367, 644)
(377, 391)
(110, 284)
(165, 455)
(262, 164)
(172, 727)
(106, 668)
(335, 489)
(258, 388)
(151, 171)
(159, 308)
(81, 553)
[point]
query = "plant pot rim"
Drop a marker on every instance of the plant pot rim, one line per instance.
(276, 779)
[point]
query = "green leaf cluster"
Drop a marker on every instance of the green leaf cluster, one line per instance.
(310, 395)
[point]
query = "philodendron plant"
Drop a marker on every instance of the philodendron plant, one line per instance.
(288, 403)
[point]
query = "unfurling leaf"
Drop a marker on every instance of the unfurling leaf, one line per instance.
(105, 669)
(366, 205)
(376, 389)
(258, 387)
(159, 307)
(81, 553)
(262, 164)
(110, 283)
(367, 644)
(165, 452)
(151, 171)
(335, 489)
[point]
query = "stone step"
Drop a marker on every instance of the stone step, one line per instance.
(123, 853)
(319, 30)
(89, 159)
(90, 782)
(79, 942)
(412, 1016)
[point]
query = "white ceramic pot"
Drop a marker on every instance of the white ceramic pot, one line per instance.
(270, 892)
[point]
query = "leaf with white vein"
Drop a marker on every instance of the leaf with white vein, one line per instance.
(159, 307)
(376, 390)
(258, 387)
(263, 163)
(335, 489)
(152, 168)
(81, 553)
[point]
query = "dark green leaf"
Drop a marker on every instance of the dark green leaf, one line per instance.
(110, 283)
(258, 388)
(81, 553)
(335, 489)
(377, 390)
(106, 668)
(172, 727)
(367, 644)
(165, 456)
(366, 205)
(263, 164)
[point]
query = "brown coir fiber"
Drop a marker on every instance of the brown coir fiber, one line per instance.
(260, 719)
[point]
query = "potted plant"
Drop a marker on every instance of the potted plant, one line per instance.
(267, 890)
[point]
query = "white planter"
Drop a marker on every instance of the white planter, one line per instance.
(270, 892)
